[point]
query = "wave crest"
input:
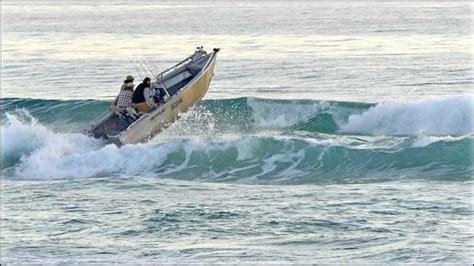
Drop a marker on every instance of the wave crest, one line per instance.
(36, 152)
(235, 140)
(452, 116)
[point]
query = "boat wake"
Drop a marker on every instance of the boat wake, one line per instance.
(248, 140)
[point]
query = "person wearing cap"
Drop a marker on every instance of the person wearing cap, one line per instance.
(143, 99)
(124, 99)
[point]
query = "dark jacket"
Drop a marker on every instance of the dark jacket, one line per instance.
(138, 96)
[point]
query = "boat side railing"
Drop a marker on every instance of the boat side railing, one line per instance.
(182, 62)
(173, 68)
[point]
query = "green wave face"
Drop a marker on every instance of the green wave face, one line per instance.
(249, 140)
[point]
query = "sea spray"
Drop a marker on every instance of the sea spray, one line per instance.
(452, 116)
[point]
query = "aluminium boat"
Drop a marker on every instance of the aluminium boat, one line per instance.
(185, 84)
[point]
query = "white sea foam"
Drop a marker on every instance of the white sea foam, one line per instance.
(40, 153)
(21, 133)
(451, 116)
(423, 141)
(44, 154)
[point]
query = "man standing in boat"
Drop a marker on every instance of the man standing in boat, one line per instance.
(142, 98)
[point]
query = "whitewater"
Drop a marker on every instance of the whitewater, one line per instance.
(331, 133)
(250, 140)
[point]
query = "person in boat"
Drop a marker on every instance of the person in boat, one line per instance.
(161, 96)
(124, 99)
(143, 96)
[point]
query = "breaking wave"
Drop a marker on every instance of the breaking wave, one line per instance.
(248, 140)
(443, 117)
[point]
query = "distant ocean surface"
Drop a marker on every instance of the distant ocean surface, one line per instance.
(331, 133)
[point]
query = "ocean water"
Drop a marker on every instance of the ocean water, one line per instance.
(331, 133)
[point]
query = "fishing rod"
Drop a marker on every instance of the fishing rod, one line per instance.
(137, 69)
